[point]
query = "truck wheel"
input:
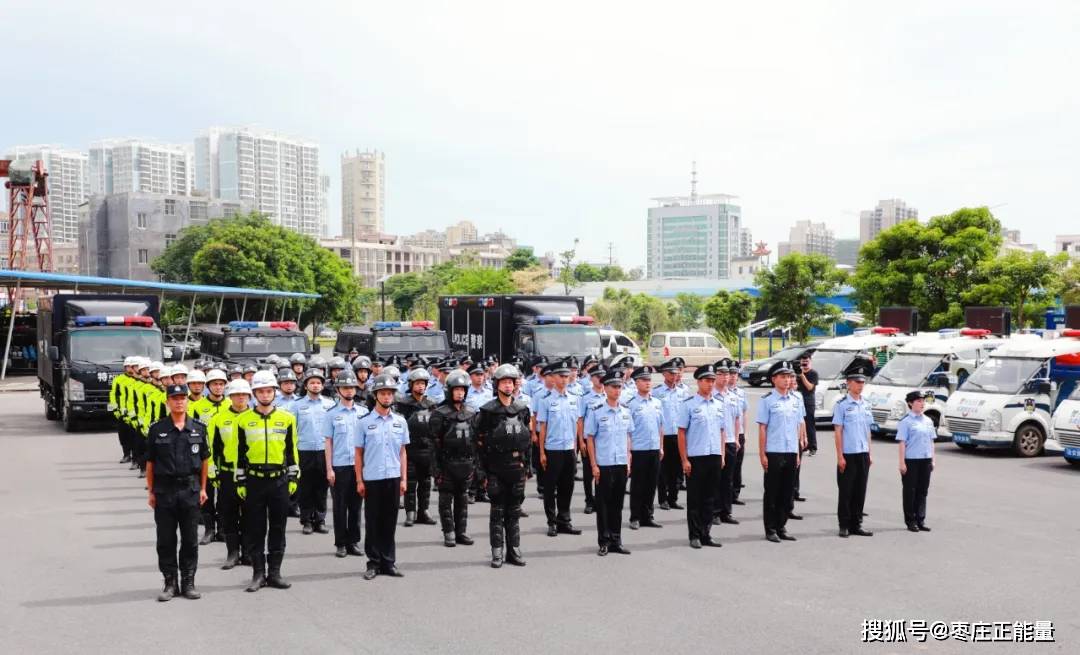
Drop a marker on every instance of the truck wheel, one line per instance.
(50, 411)
(70, 425)
(1028, 441)
(1074, 462)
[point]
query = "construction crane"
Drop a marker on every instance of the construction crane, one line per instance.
(28, 214)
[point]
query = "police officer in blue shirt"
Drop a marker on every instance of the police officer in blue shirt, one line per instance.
(736, 472)
(381, 478)
(594, 397)
(547, 382)
(436, 390)
(916, 434)
(671, 395)
(646, 447)
(535, 382)
(310, 412)
(701, 450)
(342, 430)
(607, 433)
(477, 394)
(557, 434)
(724, 386)
(851, 425)
(781, 433)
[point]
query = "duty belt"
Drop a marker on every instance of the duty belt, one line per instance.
(266, 470)
(174, 479)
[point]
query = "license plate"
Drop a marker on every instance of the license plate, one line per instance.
(1072, 453)
(960, 437)
(744, 375)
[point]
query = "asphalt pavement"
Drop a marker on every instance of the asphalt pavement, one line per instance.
(79, 568)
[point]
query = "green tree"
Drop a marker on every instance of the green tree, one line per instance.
(585, 272)
(927, 267)
(638, 315)
(790, 292)
(1070, 285)
(612, 273)
(481, 281)
(728, 312)
(1026, 282)
(403, 290)
(521, 259)
(688, 310)
(566, 275)
(636, 273)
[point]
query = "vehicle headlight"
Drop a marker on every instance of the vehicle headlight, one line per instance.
(819, 400)
(75, 390)
(994, 422)
(898, 410)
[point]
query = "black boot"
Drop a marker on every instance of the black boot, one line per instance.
(423, 518)
(497, 557)
(513, 555)
(273, 578)
(448, 540)
(410, 518)
(446, 512)
(513, 540)
(169, 591)
(187, 586)
(258, 573)
(207, 536)
(232, 549)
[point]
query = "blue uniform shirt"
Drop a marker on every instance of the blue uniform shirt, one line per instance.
(732, 411)
(436, 391)
(311, 421)
(535, 398)
(781, 414)
(532, 384)
(918, 434)
(382, 437)
(608, 427)
(560, 412)
(743, 405)
(646, 418)
(590, 400)
(475, 398)
(671, 400)
(343, 428)
(856, 418)
(703, 420)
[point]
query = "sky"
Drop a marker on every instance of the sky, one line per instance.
(560, 120)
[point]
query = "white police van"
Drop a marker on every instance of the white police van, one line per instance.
(835, 356)
(1008, 401)
(938, 362)
(1065, 429)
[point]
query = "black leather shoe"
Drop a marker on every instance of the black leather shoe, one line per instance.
(695, 544)
(772, 537)
(649, 523)
(912, 527)
(567, 529)
(843, 533)
(730, 520)
(794, 517)
(276, 581)
(513, 556)
(676, 506)
(322, 529)
(410, 518)
(711, 543)
(602, 551)
(553, 531)
(464, 539)
(800, 499)
(307, 529)
(497, 557)
(187, 588)
(716, 519)
(258, 581)
(923, 528)
(370, 573)
(125, 459)
(589, 509)
(522, 513)
(341, 552)
(294, 512)
(231, 560)
(207, 537)
(635, 524)
(353, 549)
(665, 506)
(618, 548)
(169, 590)
(393, 572)
(738, 502)
(859, 532)
(785, 536)
(448, 540)
(425, 519)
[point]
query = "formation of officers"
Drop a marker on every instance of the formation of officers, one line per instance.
(242, 449)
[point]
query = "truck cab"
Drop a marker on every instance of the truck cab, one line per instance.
(384, 339)
(252, 342)
(935, 362)
(1008, 401)
(835, 357)
(558, 337)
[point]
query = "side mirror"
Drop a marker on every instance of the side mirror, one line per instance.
(1044, 387)
(54, 353)
(613, 347)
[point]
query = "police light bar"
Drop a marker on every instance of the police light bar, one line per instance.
(886, 330)
(451, 302)
(248, 325)
(975, 332)
(385, 325)
(544, 319)
(949, 333)
(485, 302)
(141, 321)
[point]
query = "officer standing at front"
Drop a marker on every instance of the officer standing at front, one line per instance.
(221, 435)
(646, 448)
(417, 408)
(671, 395)
(607, 433)
(453, 426)
(342, 430)
(701, 451)
(916, 434)
(780, 435)
(557, 428)
(310, 412)
(176, 471)
(381, 477)
(591, 399)
(851, 423)
(732, 428)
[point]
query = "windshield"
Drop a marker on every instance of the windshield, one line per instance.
(790, 353)
(560, 341)
(266, 345)
(1002, 375)
(109, 346)
(830, 364)
(907, 370)
(421, 342)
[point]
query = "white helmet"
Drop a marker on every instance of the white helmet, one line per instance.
(144, 362)
(155, 366)
(392, 371)
(132, 360)
(179, 369)
(237, 386)
(263, 379)
(164, 371)
(216, 374)
(194, 376)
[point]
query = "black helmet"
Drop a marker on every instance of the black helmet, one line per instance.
(338, 362)
(383, 382)
(457, 379)
(297, 358)
(363, 362)
(286, 375)
(506, 371)
(312, 373)
(346, 378)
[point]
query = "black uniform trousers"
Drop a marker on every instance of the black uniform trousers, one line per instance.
(852, 486)
(727, 479)
(670, 470)
(380, 514)
(265, 512)
(811, 444)
(559, 485)
(123, 433)
(456, 476)
(537, 470)
(586, 479)
(736, 473)
(231, 510)
(778, 480)
(610, 494)
(643, 483)
(916, 484)
(418, 472)
(209, 509)
(177, 509)
(506, 488)
(138, 449)
(347, 504)
(700, 494)
(312, 487)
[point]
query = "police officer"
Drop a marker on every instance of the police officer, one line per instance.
(417, 408)
(342, 429)
(286, 388)
(477, 393)
(593, 398)
(117, 392)
(310, 412)
(503, 437)
(646, 448)
(701, 450)
(671, 395)
(221, 435)
(381, 477)
(176, 472)
(298, 362)
(736, 473)
(557, 427)
(202, 409)
(780, 435)
(337, 365)
(436, 389)
(916, 434)
(851, 424)
(453, 425)
(267, 470)
(362, 368)
(725, 393)
(607, 433)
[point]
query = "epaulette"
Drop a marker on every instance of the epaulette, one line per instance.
(767, 394)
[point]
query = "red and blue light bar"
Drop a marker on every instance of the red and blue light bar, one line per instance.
(248, 325)
(386, 325)
(544, 319)
(886, 330)
(975, 332)
(141, 321)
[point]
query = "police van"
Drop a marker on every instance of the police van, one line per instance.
(937, 362)
(1008, 401)
(1065, 430)
(866, 349)
(388, 338)
(252, 342)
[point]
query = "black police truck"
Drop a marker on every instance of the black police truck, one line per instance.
(385, 339)
(84, 339)
(528, 326)
(252, 342)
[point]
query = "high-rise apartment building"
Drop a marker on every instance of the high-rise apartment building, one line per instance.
(130, 165)
(887, 214)
(69, 185)
(363, 195)
(746, 242)
(809, 238)
(693, 236)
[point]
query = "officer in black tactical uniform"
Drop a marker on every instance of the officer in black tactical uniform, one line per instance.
(453, 424)
(416, 408)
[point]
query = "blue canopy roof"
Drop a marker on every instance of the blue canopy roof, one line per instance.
(59, 281)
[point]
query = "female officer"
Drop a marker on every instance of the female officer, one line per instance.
(916, 435)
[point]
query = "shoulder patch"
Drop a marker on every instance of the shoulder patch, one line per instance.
(767, 394)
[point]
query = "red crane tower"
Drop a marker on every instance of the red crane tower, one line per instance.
(28, 209)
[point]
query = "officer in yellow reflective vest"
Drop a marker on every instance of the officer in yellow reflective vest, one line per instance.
(221, 436)
(117, 398)
(202, 409)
